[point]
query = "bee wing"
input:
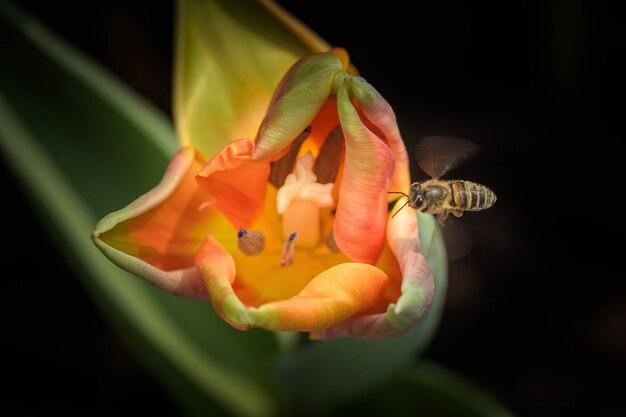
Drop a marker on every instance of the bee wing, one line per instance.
(436, 155)
(458, 238)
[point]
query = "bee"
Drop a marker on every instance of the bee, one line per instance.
(436, 155)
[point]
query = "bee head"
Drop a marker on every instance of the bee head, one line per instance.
(416, 199)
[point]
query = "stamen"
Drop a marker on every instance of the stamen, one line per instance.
(289, 250)
(284, 166)
(328, 160)
(330, 242)
(250, 242)
(299, 201)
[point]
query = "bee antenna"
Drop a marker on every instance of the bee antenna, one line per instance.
(394, 214)
(397, 192)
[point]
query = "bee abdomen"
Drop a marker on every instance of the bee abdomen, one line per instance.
(471, 196)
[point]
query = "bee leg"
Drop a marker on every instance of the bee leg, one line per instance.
(457, 213)
(442, 216)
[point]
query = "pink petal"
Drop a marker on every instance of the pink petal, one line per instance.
(379, 112)
(361, 215)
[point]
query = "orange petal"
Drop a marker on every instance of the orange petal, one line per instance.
(236, 183)
(325, 121)
(333, 296)
(380, 113)
(362, 207)
(157, 235)
(417, 288)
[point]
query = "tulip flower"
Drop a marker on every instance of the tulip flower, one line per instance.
(290, 231)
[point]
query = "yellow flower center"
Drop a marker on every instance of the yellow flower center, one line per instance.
(292, 244)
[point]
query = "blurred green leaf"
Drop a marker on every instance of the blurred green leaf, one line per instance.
(426, 389)
(83, 145)
(327, 372)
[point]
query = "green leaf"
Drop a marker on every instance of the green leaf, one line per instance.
(83, 145)
(327, 372)
(230, 56)
(427, 389)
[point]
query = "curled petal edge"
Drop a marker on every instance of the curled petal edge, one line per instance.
(185, 282)
(236, 183)
(417, 288)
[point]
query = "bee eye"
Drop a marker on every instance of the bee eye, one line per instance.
(419, 200)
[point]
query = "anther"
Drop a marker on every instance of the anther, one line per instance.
(289, 250)
(284, 166)
(327, 162)
(250, 242)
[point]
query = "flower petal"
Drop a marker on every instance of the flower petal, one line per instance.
(380, 113)
(157, 235)
(417, 287)
(218, 269)
(236, 183)
(362, 207)
(300, 95)
(333, 296)
(229, 58)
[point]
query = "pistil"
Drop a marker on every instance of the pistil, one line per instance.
(299, 201)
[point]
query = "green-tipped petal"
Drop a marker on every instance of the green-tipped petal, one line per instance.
(218, 269)
(230, 55)
(300, 95)
(417, 287)
(380, 113)
(361, 215)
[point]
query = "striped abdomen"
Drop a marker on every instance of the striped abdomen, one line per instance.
(470, 196)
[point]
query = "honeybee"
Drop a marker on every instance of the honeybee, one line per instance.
(436, 155)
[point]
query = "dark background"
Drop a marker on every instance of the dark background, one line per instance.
(536, 314)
